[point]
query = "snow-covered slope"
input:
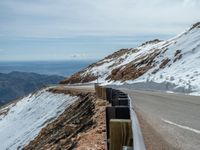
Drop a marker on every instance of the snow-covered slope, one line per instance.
(175, 61)
(21, 122)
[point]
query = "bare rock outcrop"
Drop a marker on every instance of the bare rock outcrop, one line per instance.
(62, 134)
(80, 126)
(134, 69)
(77, 78)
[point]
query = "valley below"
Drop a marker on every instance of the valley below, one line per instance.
(15, 85)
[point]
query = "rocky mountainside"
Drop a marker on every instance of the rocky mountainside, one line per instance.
(55, 118)
(174, 62)
(21, 122)
(17, 84)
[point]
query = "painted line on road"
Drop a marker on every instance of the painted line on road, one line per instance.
(181, 126)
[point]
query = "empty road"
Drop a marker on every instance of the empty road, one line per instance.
(175, 118)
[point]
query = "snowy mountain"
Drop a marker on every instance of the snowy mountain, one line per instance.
(174, 63)
(21, 122)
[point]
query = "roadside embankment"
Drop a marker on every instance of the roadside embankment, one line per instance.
(81, 126)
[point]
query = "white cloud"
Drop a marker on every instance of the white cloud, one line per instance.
(50, 18)
(78, 55)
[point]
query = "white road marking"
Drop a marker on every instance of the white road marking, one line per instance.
(181, 126)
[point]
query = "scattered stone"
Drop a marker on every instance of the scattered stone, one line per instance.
(151, 42)
(196, 25)
(177, 52)
(164, 63)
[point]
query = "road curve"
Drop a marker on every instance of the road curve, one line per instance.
(173, 117)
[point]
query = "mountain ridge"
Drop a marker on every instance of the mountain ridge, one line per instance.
(173, 61)
(17, 84)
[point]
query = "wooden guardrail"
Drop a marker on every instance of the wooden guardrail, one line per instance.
(120, 133)
(118, 123)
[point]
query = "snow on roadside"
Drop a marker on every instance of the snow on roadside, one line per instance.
(182, 75)
(24, 120)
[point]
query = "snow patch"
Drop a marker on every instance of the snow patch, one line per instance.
(25, 120)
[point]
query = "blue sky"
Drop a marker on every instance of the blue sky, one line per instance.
(87, 29)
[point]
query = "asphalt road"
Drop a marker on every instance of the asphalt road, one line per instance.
(175, 117)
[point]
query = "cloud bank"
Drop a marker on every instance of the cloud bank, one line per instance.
(87, 29)
(62, 18)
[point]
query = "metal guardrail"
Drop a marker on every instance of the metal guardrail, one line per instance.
(121, 108)
(137, 134)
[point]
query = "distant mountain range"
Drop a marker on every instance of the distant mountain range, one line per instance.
(17, 84)
(174, 63)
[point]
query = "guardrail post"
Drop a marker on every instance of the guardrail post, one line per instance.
(109, 93)
(120, 134)
(120, 128)
(115, 112)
